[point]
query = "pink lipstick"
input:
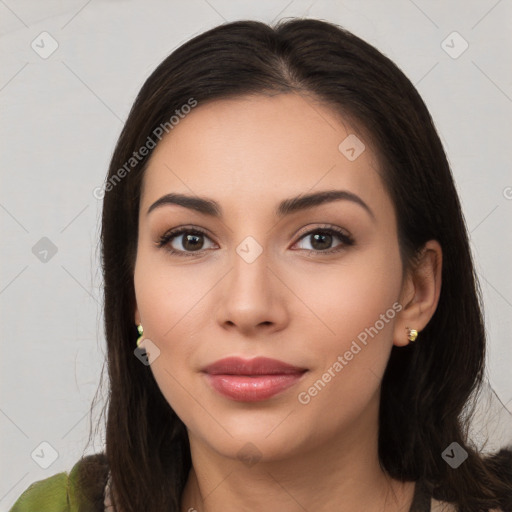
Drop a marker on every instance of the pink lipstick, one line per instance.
(251, 380)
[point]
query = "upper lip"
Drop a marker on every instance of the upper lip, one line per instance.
(256, 366)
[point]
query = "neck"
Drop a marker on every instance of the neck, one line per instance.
(341, 474)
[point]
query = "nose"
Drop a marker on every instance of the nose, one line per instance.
(251, 298)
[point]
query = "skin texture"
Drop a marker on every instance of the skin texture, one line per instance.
(248, 154)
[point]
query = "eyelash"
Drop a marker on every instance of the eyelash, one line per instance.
(346, 240)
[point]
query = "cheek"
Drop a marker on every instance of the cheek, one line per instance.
(172, 306)
(358, 304)
(353, 297)
(167, 296)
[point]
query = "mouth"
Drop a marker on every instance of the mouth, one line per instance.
(251, 380)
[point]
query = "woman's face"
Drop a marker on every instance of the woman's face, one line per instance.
(315, 285)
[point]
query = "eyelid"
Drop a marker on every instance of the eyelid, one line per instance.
(307, 230)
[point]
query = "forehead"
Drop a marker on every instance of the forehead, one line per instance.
(263, 146)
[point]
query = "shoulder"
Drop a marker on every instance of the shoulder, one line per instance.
(63, 492)
(45, 495)
(443, 506)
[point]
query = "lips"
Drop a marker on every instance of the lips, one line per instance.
(251, 380)
(256, 366)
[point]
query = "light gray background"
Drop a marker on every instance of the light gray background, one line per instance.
(60, 120)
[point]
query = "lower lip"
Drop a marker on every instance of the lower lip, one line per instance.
(243, 388)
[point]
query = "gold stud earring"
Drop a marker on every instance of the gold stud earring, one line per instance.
(412, 334)
(140, 330)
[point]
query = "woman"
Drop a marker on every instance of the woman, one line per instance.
(285, 255)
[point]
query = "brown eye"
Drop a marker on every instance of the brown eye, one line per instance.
(321, 240)
(191, 242)
(184, 241)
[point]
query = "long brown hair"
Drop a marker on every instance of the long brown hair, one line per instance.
(427, 385)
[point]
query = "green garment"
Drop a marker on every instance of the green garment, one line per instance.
(57, 493)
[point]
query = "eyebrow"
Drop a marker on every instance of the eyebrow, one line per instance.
(211, 208)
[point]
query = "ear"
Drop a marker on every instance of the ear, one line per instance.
(136, 315)
(420, 293)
